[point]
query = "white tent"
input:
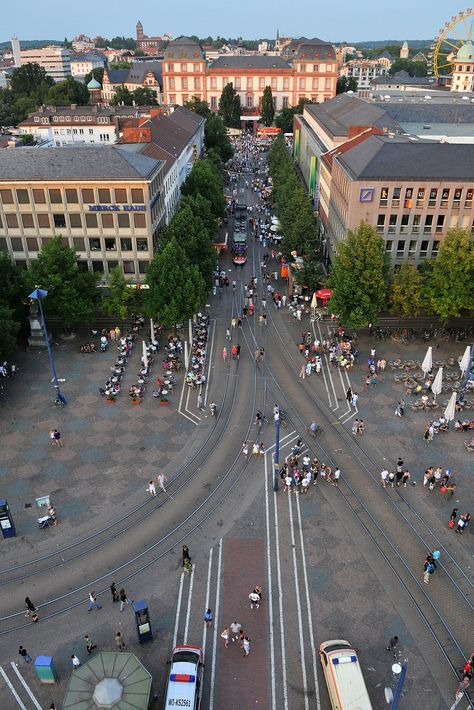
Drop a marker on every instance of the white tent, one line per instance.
(450, 411)
(437, 385)
(427, 364)
(465, 360)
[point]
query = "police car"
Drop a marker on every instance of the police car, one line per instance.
(183, 689)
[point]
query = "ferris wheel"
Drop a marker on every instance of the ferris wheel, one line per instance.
(455, 32)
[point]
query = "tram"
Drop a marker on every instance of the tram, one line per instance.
(239, 248)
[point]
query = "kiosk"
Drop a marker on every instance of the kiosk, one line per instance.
(6, 520)
(142, 621)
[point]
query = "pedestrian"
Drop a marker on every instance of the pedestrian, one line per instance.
(161, 481)
(227, 334)
(186, 555)
(187, 566)
(114, 592)
(30, 608)
(254, 599)
(355, 398)
(401, 406)
(245, 450)
(391, 479)
(302, 371)
(246, 645)
(25, 655)
(405, 478)
(336, 476)
(235, 629)
(224, 353)
(55, 437)
(367, 382)
(90, 645)
(384, 477)
(452, 519)
(151, 488)
(200, 402)
(349, 395)
(398, 412)
(120, 642)
(355, 427)
(428, 569)
(462, 687)
(75, 662)
(93, 603)
(392, 644)
(123, 599)
(225, 636)
(462, 523)
(208, 618)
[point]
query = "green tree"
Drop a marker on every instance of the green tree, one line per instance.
(358, 277)
(229, 107)
(144, 96)
(214, 157)
(201, 207)
(123, 96)
(341, 84)
(101, 42)
(123, 64)
(413, 68)
(10, 328)
(13, 286)
(268, 109)
(204, 180)
(8, 114)
(27, 139)
(407, 291)
(97, 73)
(352, 84)
(30, 81)
(118, 302)
(198, 106)
(311, 275)
(284, 119)
(68, 92)
(72, 294)
(176, 288)
(449, 288)
(215, 136)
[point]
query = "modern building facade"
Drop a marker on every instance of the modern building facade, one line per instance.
(107, 203)
(55, 60)
(308, 70)
(82, 64)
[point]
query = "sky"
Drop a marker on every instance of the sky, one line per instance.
(345, 21)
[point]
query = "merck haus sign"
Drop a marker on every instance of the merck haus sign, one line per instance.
(117, 208)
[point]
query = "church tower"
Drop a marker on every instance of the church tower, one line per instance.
(139, 31)
(404, 50)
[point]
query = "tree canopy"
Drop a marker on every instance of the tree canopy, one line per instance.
(204, 180)
(284, 119)
(119, 300)
(413, 68)
(229, 107)
(122, 96)
(268, 109)
(68, 92)
(13, 293)
(198, 106)
(72, 294)
(176, 288)
(215, 136)
(358, 277)
(29, 88)
(406, 295)
(144, 96)
(97, 73)
(345, 83)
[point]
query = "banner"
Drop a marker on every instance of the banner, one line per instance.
(297, 144)
(312, 175)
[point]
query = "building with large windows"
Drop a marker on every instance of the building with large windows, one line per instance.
(106, 202)
(55, 60)
(308, 70)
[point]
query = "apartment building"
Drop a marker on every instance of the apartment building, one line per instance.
(55, 60)
(82, 64)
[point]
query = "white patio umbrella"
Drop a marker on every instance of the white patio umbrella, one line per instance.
(152, 331)
(427, 363)
(450, 411)
(465, 360)
(145, 354)
(437, 385)
(314, 301)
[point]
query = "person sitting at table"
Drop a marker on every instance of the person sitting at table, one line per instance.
(458, 425)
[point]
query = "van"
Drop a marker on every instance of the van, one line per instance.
(344, 679)
(183, 688)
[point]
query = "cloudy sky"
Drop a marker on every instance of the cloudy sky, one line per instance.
(344, 21)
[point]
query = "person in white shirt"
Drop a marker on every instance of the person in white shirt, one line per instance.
(336, 476)
(235, 629)
(383, 477)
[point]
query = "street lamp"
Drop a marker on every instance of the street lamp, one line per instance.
(276, 458)
(37, 295)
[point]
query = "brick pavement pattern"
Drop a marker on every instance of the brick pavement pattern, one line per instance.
(243, 682)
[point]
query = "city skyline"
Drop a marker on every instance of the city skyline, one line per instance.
(355, 24)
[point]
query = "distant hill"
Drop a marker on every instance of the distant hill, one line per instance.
(373, 44)
(30, 43)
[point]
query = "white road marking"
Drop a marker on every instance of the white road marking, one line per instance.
(269, 587)
(12, 689)
(208, 588)
(181, 402)
(209, 359)
(280, 604)
(25, 685)
(178, 609)
(322, 368)
(188, 610)
(216, 619)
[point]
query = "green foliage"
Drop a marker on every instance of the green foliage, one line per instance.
(407, 291)
(118, 302)
(346, 84)
(123, 96)
(123, 64)
(358, 277)
(176, 288)
(413, 68)
(204, 180)
(284, 119)
(214, 157)
(311, 275)
(201, 207)
(10, 328)
(97, 73)
(229, 107)
(115, 43)
(29, 88)
(198, 106)
(68, 92)
(268, 109)
(144, 96)
(72, 294)
(8, 111)
(449, 285)
(27, 139)
(215, 136)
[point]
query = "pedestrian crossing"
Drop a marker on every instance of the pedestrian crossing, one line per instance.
(15, 691)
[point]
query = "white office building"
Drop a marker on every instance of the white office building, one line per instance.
(55, 60)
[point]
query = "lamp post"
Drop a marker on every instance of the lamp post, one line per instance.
(37, 295)
(276, 458)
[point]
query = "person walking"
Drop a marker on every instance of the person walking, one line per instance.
(151, 488)
(30, 608)
(225, 636)
(428, 569)
(55, 437)
(200, 402)
(302, 371)
(114, 592)
(235, 629)
(123, 599)
(349, 395)
(453, 516)
(186, 555)
(462, 523)
(120, 642)
(161, 478)
(384, 477)
(187, 567)
(208, 618)
(227, 334)
(224, 354)
(246, 645)
(90, 645)
(245, 450)
(355, 398)
(254, 599)
(336, 475)
(398, 411)
(392, 645)
(401, 406)
(93, 603)
(75, 662)
(25, 655)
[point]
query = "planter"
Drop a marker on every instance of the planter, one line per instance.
(136, 401)
(110, 401)
(164, 401)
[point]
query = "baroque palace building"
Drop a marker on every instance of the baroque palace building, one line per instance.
(308, 69)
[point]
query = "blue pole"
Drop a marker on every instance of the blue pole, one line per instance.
(276, 458)
(50, 354)
(466, 377)
(399, 688)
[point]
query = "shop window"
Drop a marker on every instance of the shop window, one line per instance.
(110, 245)
(126, 244)
(88, 196)
(71, 196)
(91, 221)
(23, 197)
(384, 196)
(55, 197)
(17, 244)
(123, 221)
(139, 221)
(120, 195)
(7, 197)
(32, 243)
(12, 221)
(104, 195)
(59, 221)
(142, 244)
(79, 244)
(43, 221)
(137, 196)
(27, 220)
(94, 244)
(75, 221)
(107, 221)
(39, 197)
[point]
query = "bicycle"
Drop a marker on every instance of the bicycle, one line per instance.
(260, 422)
(59, 401)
